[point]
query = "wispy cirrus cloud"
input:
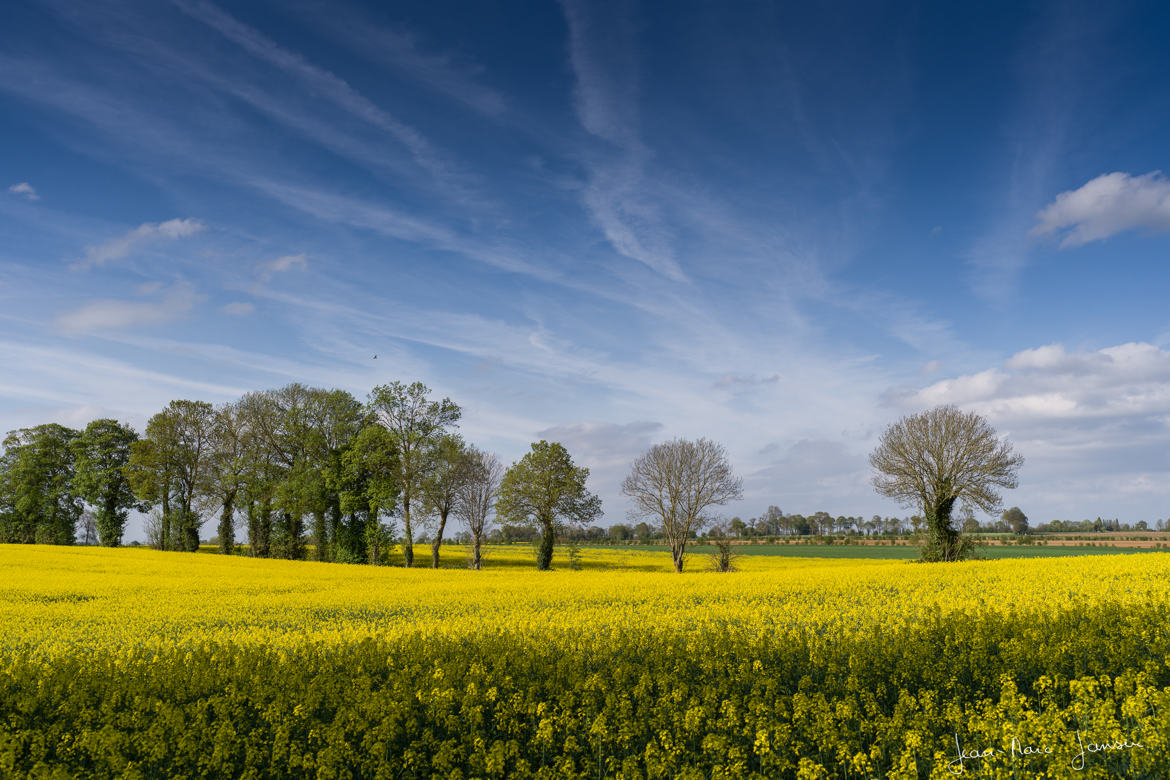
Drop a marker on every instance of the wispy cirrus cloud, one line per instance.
(112, 314)
(25, 190)
(604, 60)
(238, 308)
(406, 52)
(322, 82)
(148, 232)
(1110, 204)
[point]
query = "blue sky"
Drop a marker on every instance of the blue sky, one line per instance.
(777, 226)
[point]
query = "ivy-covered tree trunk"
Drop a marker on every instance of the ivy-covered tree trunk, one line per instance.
(109, 525)
(544, 556)
(945, 543)
(320, 536)
(227, 531)
(189, 526)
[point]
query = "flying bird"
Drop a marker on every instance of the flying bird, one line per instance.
(375, 357)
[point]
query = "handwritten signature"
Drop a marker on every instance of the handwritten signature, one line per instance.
(1018, 750)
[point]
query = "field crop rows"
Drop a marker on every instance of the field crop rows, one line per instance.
(132, 663)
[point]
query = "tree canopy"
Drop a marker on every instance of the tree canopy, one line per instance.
(546, 490)
(939, 457)
(676, 482)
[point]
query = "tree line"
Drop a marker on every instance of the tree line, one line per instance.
(301, 466)
(302, 471)
(314, 472)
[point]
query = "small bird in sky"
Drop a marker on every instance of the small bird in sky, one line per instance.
(375, 357)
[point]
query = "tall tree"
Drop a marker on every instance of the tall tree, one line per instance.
(368, 488)
(544, 489)
(227, 473)
(445, 474)
(335, 419)
(417, 425)
(477, 496)
(169, 465)
(677, 482)
(262, 470)
(282, 422)
(940, 456)
(102, 453)
(37, 476)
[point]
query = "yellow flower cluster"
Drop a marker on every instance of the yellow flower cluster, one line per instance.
(147, 664)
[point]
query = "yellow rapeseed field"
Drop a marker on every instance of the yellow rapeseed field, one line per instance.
(138, 663)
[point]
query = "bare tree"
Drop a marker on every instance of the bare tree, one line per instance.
(936, 458)
(477, 496)
(676, 482)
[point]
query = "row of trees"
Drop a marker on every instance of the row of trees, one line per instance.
(302, 465)
(293, 466)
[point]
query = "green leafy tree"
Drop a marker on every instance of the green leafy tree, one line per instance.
(282, 425)
(227, 473)
(335, 419)
(544, 489)
(936, 458)
(37, 478)
(102, 453)
(1016, 520)
(417, 425)
(367, 485)
(168, 468)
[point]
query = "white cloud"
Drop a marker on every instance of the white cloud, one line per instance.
(25, 189)
(1093, 426)
(109, 314)
(287, 263)
(280, 265)
(1049, 382)
(1107, 205)
(145, 233)
(238, 308)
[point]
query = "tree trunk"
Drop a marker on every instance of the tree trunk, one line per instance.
(189, 529)
(476, 562)
(676, 552)
(544, 556)
(227, 532)
(438, 540)
(408, 542)
(938, 521)
(320, 540)
(164, 532)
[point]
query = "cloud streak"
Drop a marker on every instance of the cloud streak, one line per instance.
(25, 190)
(110, 315)
(323, 82)
(606, 99)
(146, 233)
